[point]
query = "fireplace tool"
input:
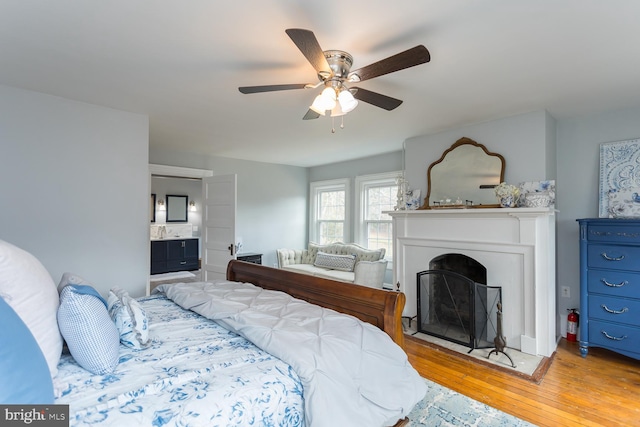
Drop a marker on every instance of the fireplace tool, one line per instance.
(500, 341)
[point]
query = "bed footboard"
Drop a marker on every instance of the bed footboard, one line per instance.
(379, 307)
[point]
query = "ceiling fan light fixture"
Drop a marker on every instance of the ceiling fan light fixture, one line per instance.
(347, 101)
(329, 96)
(333, 69)
(325, 101)
(318, 105)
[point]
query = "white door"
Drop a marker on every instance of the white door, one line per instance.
(218, 225)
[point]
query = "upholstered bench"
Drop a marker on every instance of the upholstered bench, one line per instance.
(346, 262)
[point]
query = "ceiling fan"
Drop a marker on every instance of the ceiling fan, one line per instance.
(334, 72)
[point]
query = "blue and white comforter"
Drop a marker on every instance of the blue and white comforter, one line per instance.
(195, 373)
(353, 374)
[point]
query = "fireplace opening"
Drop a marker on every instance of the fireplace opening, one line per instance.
(455, 303)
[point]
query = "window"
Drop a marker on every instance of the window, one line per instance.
(377, 193)
(329, 211)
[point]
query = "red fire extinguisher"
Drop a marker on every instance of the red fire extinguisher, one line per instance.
(572, 324)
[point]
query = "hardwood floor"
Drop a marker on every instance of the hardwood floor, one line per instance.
(602, 389)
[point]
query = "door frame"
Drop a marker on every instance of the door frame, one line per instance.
(178, 172)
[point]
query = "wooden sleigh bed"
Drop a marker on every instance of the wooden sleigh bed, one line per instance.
(381, 308)
(208, 353)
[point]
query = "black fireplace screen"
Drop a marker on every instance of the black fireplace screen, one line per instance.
(456, 308)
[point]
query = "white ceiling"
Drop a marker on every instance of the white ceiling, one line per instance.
(181, 63)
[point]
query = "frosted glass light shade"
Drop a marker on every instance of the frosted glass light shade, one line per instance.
(347, 101)
(318, 105)
(325, 101)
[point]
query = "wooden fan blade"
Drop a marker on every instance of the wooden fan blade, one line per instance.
(375, 98)
(270, 88)
(310, 48)
(409, 58)
(311, 115)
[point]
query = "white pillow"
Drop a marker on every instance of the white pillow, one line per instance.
(335, 261)
(129, 317)
(29, 289)
(89, 332)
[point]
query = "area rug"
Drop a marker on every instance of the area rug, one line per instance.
(444, 407)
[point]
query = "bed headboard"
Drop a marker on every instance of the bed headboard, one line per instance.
(379, 307)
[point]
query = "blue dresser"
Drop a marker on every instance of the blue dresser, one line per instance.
(610, 285)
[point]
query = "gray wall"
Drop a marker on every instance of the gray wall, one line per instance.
(578, 181)
(74, 185)
(526, 141)
(272, 199)
(389, 162)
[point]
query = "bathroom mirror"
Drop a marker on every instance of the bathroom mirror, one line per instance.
(465, 176)
(177, 208)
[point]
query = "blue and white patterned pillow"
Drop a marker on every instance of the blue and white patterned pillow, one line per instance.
(335, 261)
(89, 332)
(129, 317)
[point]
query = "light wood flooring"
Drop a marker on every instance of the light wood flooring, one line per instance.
(602, 389)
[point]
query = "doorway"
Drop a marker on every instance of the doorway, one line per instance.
(171, 180)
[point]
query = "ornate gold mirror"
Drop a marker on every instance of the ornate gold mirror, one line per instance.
(464, 177)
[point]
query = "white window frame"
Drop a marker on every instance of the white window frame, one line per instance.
(330, 185)
(362, 183)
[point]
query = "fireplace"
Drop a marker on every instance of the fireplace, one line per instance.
(515, 245)
(455, 303)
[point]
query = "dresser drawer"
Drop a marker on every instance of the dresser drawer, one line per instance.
(182, 264)
(614, 232)
(614, 257)
(614, 283)
(614, 336)
(621, 310)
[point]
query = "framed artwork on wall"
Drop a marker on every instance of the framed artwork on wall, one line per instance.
(619, 179)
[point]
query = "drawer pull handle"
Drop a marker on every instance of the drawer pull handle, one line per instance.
(183, 262)
(624, 337)
(608, 258)
(608, 310)
(613, 285)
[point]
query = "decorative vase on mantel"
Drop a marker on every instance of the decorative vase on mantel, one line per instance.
(508, 201)
(507, 195)
(401, 196)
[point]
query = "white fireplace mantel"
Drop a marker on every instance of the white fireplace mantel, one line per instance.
(517, 247)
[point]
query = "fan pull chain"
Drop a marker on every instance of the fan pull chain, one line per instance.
(333, 123)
